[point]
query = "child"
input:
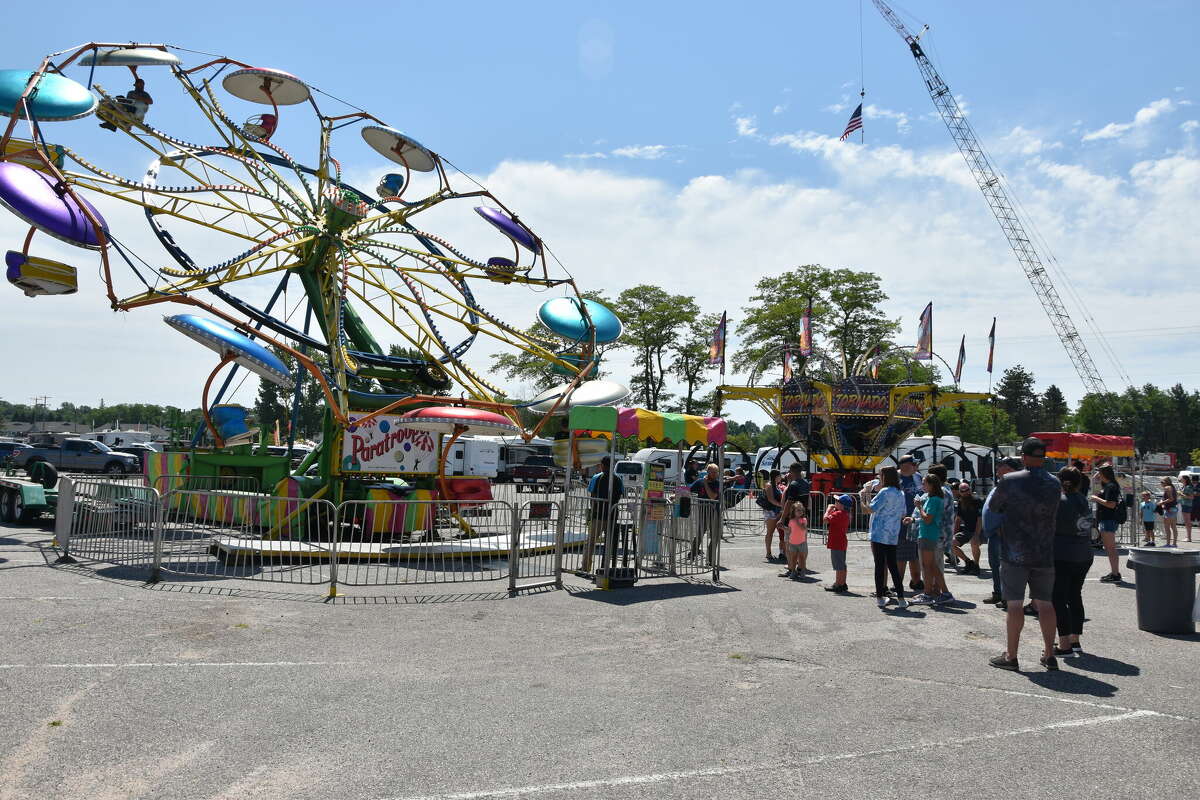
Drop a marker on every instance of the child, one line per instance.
(797, 545)
(1149, 509)
(929, 508)
(837, 522)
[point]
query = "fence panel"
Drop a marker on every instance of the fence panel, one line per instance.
(206, 483)
(692, 543)
(112, 521)
(386, 543)
(536, 540)
(247, 535)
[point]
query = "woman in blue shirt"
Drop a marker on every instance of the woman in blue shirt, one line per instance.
(887, 509)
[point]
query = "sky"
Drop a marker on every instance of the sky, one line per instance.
(698, 150)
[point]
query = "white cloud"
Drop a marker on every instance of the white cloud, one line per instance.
(746, 126)
(648, 152)
(1143, 118)
(872, 111)
(586, 156)
(1188, 126)
(779, 109)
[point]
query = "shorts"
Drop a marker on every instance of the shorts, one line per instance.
(1015, 577)
(770, 514)
(1149, 526)
(838, 557)
(1108, 526)
(797, 549)
(929, 545)
(906, 549)
(962, 537)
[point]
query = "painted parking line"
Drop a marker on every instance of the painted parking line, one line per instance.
(772, 767)
(182, 665)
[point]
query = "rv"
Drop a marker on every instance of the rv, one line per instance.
(671, 460)
(514, 450)
(964, 461)
(117, 438)
(474, 456)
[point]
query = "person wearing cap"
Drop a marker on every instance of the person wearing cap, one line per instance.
(837, 522)
(1029, 500)
(605, 489)
(991, 527)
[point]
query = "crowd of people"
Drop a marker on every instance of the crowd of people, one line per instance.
(1038, 530)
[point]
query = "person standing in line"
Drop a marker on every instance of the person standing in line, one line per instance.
(1029, 500)
(945, 535)
(1170, 512)
(837, 523)
(1072, 560)
(770, 500)
(968, 527)
(991, 527)
(906, 549)
(797, 492)
(690, 472)
(1149, 511)
(707, 503)
(1107, 501)
(605, 489)
(929, 509)
(797, 546)
(1187, 496)
(887, 510)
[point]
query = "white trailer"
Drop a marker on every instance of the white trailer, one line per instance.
(474, 456)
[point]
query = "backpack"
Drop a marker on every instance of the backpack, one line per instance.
(1121, 512)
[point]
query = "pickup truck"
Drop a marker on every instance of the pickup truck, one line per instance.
(80, 455)
(539, 474)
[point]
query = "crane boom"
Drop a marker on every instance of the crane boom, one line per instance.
(1001, 206)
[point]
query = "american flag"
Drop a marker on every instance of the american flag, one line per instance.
(854, 124)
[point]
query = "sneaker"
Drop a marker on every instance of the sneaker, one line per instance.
(1003, 606)
(1003, 662)
(922, 600)
(1077, 650)
(787, 574)
(843, 589)
(1112, 577)
(1049, 662)
(916, 586)
(1147, 543)
(943, 598)
(881, 601)
(901, 603)
(837, 587)
(1065, 652)
(992, 599)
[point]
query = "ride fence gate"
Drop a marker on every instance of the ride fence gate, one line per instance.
(197, 535)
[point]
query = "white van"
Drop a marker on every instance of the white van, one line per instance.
(671, 460)
(963, 460)
(473, 456)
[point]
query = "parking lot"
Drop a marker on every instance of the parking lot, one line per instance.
(754, 687)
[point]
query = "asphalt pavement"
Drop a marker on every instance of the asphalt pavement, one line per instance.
(756, 687)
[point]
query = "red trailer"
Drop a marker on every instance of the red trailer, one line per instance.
(1093, 447)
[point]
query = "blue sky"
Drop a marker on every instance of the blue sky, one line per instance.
(691, 142)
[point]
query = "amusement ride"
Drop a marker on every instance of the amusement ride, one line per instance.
(272, 259)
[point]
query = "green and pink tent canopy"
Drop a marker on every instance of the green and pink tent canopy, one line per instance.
(648, 425)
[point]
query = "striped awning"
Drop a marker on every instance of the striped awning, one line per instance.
(649, 425)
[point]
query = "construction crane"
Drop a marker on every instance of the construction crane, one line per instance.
(1001, 205)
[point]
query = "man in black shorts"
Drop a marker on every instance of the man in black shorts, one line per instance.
(1028, 499)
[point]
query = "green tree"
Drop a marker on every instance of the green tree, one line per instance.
(1054, 409)
(978, 423)
(1015, 394)
(689, 358)
(653, 319)
(847, 316)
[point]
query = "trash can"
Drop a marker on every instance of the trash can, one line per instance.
(1166, 588)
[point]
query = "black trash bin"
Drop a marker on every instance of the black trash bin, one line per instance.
(1166, 588)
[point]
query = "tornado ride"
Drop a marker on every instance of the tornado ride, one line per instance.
(220, 197)
(847, 421)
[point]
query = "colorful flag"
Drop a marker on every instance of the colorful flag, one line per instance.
(873, 359)
(991, 345)
(716, 345)
(962, 357)
(787, 365)
(925, 335)
(854, 124)
(806, 342)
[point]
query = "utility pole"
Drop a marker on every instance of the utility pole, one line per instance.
(38, 400)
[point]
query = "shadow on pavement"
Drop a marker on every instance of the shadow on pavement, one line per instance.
(1069, 682)
(649, 592)
(1179, 637)
(1103, 665)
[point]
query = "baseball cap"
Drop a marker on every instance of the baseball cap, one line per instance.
(1033, 447)
(846, 500)
(1012, 463)
(906, 460)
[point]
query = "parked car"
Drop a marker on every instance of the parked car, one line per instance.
(139, 449)
(539, 474)
(81, 455)
(13, 450)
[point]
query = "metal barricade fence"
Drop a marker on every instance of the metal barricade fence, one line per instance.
(206, 483)
(692, 544)
(383, 543)
(535, 544)
(578, 534)
(249, 536)
(103, 520)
